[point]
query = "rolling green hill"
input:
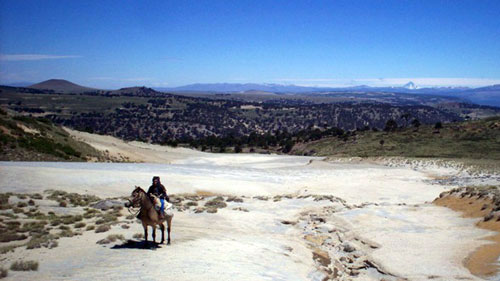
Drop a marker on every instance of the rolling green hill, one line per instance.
(469, 140)
(37, 139)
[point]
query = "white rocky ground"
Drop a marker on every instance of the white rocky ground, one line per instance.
(385, 228)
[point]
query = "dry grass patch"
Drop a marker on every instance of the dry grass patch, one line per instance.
(216, 203)
(3, 272)
(205, 193)
(138, 236)
(191, 204)
(66, 233)
(24, 266)
(80, 224)
(22, 204)
(4, 201)
(108, 217)
(36, 196)
(102, 228)
(11, 236)
(34, 227)
(75, 199)
(111, 238)
(6, 249)
(114, 237)
(39, 241)
(71, 219)
(91, 213)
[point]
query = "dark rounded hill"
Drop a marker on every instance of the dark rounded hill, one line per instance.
(61, 86)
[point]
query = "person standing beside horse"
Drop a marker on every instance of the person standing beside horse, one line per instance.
(157, 189)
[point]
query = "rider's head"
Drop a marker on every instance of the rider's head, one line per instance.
(156, 180)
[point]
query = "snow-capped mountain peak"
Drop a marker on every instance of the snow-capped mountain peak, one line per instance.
(410, 85)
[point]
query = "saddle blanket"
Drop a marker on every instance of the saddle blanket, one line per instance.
(168, 208)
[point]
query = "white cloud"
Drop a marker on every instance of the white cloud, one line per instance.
(33, 57)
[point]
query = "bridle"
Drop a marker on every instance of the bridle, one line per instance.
(135, 200)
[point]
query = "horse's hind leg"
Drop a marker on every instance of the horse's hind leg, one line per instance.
(169, 226)
(162, 227)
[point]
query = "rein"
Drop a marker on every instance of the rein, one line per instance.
(141, 207)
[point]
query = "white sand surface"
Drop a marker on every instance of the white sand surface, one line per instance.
(133, 151)
(415, 240)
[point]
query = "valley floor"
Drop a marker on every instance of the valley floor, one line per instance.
(301, 218)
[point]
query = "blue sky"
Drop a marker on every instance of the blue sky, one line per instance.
(111, 44)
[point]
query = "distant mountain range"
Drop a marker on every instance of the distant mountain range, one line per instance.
(410, 87)
(489, 95)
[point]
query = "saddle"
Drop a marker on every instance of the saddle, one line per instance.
(167, 208)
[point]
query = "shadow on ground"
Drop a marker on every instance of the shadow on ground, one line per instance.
(142, 245)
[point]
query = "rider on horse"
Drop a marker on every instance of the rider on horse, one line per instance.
(157, 189)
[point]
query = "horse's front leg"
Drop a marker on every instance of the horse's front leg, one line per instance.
(145, 235)
(154, 233)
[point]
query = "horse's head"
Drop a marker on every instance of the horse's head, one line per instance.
(135, 198)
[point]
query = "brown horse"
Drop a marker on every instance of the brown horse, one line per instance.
(148, 215)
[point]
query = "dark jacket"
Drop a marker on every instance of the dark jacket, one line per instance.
(159, 191)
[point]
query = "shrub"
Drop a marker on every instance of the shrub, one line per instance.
(34, 227)
(138, 236)
(63, 204)
(66, 233)
(22, 204)
(24, 266)
(4, 201)
(31, 202)
(80, 225)
(191, 203)
(6, 249)
(90, 213)
(37, 196)
(90, 227)
(11, 236)
(217, 202)
(107, 217)
(3, 272)
(71, 219)
(391, 126)
(114, 237)
(102, 228)
(39, 241)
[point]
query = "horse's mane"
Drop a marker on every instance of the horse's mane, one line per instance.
(140, 189)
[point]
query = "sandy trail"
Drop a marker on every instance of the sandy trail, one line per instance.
(388, 207)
